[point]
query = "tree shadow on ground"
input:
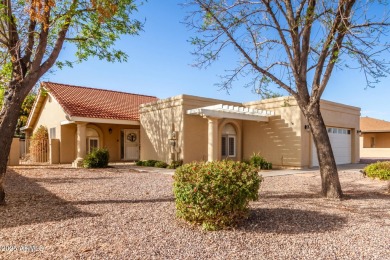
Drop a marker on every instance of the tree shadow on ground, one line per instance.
(67, 180)
(290, 196)
(290, 221)
(91, 202)
(29, 203)
(361, 195)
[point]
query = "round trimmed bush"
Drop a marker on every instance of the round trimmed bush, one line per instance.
(98, 158)
(215, 194)
(380, 170)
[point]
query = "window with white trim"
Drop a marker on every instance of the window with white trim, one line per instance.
(93, 143)
(228, 141)
(52, 133)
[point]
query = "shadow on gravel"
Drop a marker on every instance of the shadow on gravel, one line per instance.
(366, 195)
(291, 196)
(90, 202)
(29, 203)
(67, 180)
(290, 221)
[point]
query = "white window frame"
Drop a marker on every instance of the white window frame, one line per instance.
(53, 133)
(89, 143)
(227, 146)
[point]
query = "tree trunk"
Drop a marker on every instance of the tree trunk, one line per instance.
(8, 119)
(331, 187)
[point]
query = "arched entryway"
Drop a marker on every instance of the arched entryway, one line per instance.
(94, 136)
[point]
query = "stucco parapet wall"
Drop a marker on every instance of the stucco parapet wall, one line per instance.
(338, 107)
(289, 101)
(162, 104)
(183, 100)
(286, 101)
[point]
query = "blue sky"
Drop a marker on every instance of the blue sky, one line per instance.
(160, 61)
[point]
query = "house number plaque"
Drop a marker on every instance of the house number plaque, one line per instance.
(132, 137)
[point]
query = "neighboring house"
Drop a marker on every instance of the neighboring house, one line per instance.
(187, 128)
(80, 119)
(193, 128)
(374, 139)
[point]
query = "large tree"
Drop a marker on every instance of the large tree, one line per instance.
(295, 45)
(32, 35)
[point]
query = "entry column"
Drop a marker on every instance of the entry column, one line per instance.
(81, 144)
(212, 139)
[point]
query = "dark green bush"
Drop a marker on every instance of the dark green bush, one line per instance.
(175, 164)
(215, 194)
(380, 170)
(161, 164)
(152, 163)
(149, 163)
(98, 158)
(258, 161)
(139, 163)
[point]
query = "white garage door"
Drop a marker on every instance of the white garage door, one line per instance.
(340, 139)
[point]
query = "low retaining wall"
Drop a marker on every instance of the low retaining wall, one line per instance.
(14, 154)
(375, 153)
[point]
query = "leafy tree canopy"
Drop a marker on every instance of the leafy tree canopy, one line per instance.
(92, 26)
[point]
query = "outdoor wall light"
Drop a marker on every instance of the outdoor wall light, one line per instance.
(110, 130)
(307, 128)
(359, 132)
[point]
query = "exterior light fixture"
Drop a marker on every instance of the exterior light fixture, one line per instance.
(359, 132)
(110, 130)
(307, 128)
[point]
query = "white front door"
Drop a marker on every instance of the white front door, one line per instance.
(131, 144)
(340, 140)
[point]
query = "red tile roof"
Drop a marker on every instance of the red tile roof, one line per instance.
(368, 124)
(97, 103)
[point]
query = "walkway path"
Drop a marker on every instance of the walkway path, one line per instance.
(264, 173)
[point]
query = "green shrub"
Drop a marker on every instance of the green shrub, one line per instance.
(215, 194)
(380, 170)
(161, 164)
(149, 163)
(258, 161)
(98, 158)
(139, 163)
(152, 163)
(175, 164)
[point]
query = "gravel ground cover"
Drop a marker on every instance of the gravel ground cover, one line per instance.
(125, 213)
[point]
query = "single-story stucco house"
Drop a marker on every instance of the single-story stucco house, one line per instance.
(80, 119)
(187, 128)
(374, 138)
(196, 128)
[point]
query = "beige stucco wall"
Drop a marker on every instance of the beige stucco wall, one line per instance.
(158, 120)
(68, 143)
(196, 130)
(14, 154)
(280, 141)
(54, 151)
(51, 115)
(381, 140)
(381, 147)
(283, 140)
